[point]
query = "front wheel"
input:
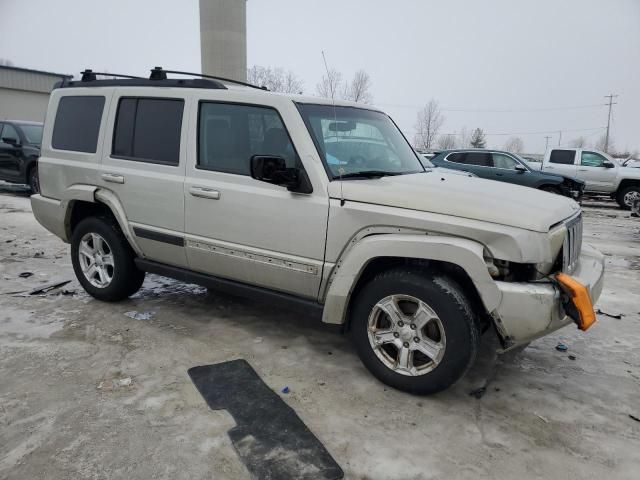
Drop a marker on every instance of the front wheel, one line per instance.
(414, 330)
(103, 260)
(627, 195)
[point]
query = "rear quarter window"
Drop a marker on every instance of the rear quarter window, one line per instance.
(77, 123)
(565, 157)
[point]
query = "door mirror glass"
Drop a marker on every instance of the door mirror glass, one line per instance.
(273, 169)
(608, 164)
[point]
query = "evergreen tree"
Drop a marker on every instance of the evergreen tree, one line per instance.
(477, 139)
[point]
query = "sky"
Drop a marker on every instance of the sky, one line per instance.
(514, 67)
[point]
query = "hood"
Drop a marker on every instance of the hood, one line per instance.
(461, 196)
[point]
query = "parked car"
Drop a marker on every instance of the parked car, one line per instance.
(508, 167)
(601, 173)
(426, 162)
(234, 188)
(19, 151)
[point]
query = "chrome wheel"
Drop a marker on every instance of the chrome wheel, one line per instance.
(406, 335)
(630, 196)
(96, 260)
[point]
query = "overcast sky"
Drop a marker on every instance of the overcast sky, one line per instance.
(503, 65)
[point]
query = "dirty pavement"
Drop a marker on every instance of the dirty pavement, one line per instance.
(95, 390)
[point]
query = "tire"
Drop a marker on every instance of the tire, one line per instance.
(626, 195)
(34, 180)
(102, 239)
(457, 341)
(550, 189)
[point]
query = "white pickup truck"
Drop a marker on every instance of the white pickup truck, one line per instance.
(601, 173)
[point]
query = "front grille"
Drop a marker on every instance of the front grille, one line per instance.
(572, 244)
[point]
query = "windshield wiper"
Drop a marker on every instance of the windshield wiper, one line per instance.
(369, 174)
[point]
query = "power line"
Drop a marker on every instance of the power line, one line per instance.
(507, 110)
(538, 133)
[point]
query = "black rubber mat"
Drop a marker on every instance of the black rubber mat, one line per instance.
(269, 436)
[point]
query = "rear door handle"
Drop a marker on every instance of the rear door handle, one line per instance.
(113, 178)
(204, 192)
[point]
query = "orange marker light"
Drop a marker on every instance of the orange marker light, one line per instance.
(580, 298)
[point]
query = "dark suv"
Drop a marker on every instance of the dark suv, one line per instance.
(508, 167)
(19, 152)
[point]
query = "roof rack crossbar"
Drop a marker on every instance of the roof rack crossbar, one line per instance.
(159, 73)
(89, 75)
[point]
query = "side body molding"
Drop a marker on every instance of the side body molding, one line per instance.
(465, 253)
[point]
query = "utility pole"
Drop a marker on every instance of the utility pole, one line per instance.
(559, 137)
(606, 138)
(546, 145)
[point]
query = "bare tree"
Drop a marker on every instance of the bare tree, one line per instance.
(602, 141)
(514, 145)
(447, 142)
(329, 84)
(478, 139)
(6, 62)
(275, 79)
(464, 138)
(579, 142)
(428, 123)
(359, 88)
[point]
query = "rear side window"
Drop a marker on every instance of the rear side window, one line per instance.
(230, 134)
(480, 159)
(148, 130)
(565, 157)
(77, 123)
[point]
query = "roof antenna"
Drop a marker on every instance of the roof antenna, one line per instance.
(335, 121)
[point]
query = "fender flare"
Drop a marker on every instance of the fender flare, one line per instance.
(464, 253)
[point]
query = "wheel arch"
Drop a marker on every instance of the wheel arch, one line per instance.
(460, 258)
(628, 182)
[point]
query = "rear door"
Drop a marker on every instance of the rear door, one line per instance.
(143, 165)
(595, 174)
(562, 162)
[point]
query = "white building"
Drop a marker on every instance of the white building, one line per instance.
(24, 93)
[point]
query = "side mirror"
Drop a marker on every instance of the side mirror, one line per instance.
(273, 169)
(11, 141)
(607, 164)
(520, 169)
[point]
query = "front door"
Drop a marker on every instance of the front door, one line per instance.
(592, 170)
(243, 229)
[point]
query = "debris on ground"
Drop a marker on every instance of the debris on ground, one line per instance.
(108, 385)
(140, 315)
(611, 315)
(541, 417)
(572, 357)
(48, 288)
(478, 393)
(633, 417)
(285, 390)
(561, 347)
(257, 340)
(38, 255)
(26, 274)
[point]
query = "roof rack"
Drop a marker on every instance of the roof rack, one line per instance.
(159, 73)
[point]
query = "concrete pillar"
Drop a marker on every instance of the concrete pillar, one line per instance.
(223, 38)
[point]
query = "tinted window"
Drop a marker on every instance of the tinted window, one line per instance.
(504, 161)
(148, 129)
(480, 159)
(77, 124)
(592, 159)
(456, 157)
(562, 156)
(10, 133)
(229, 135)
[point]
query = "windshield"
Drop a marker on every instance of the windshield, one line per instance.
(352, 140)
(33, 133)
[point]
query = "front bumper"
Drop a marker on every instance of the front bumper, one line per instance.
(529, 310)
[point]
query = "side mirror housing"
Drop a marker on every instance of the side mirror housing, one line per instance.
(273, 169)
(520, 169)
(11, 141)
(608, 164)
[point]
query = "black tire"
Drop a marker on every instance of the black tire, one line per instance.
(126, 278)
(34, 180)
(623, 192)
(444, 296)
(551, 189)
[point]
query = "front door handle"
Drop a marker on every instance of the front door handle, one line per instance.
(204, 192)
(583, 170)
(113, 178)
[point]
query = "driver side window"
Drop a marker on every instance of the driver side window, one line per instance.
(592, 159)
(504, 161)
(9, 132)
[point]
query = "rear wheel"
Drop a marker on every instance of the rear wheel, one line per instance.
(103, 260)
(627, 195)
(34, 180)
(414, 330)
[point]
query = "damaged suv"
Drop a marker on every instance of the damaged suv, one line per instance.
(314, 204)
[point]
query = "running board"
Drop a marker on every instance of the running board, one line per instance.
(232, 287)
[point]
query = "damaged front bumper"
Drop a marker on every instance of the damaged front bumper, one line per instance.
(529, 310)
